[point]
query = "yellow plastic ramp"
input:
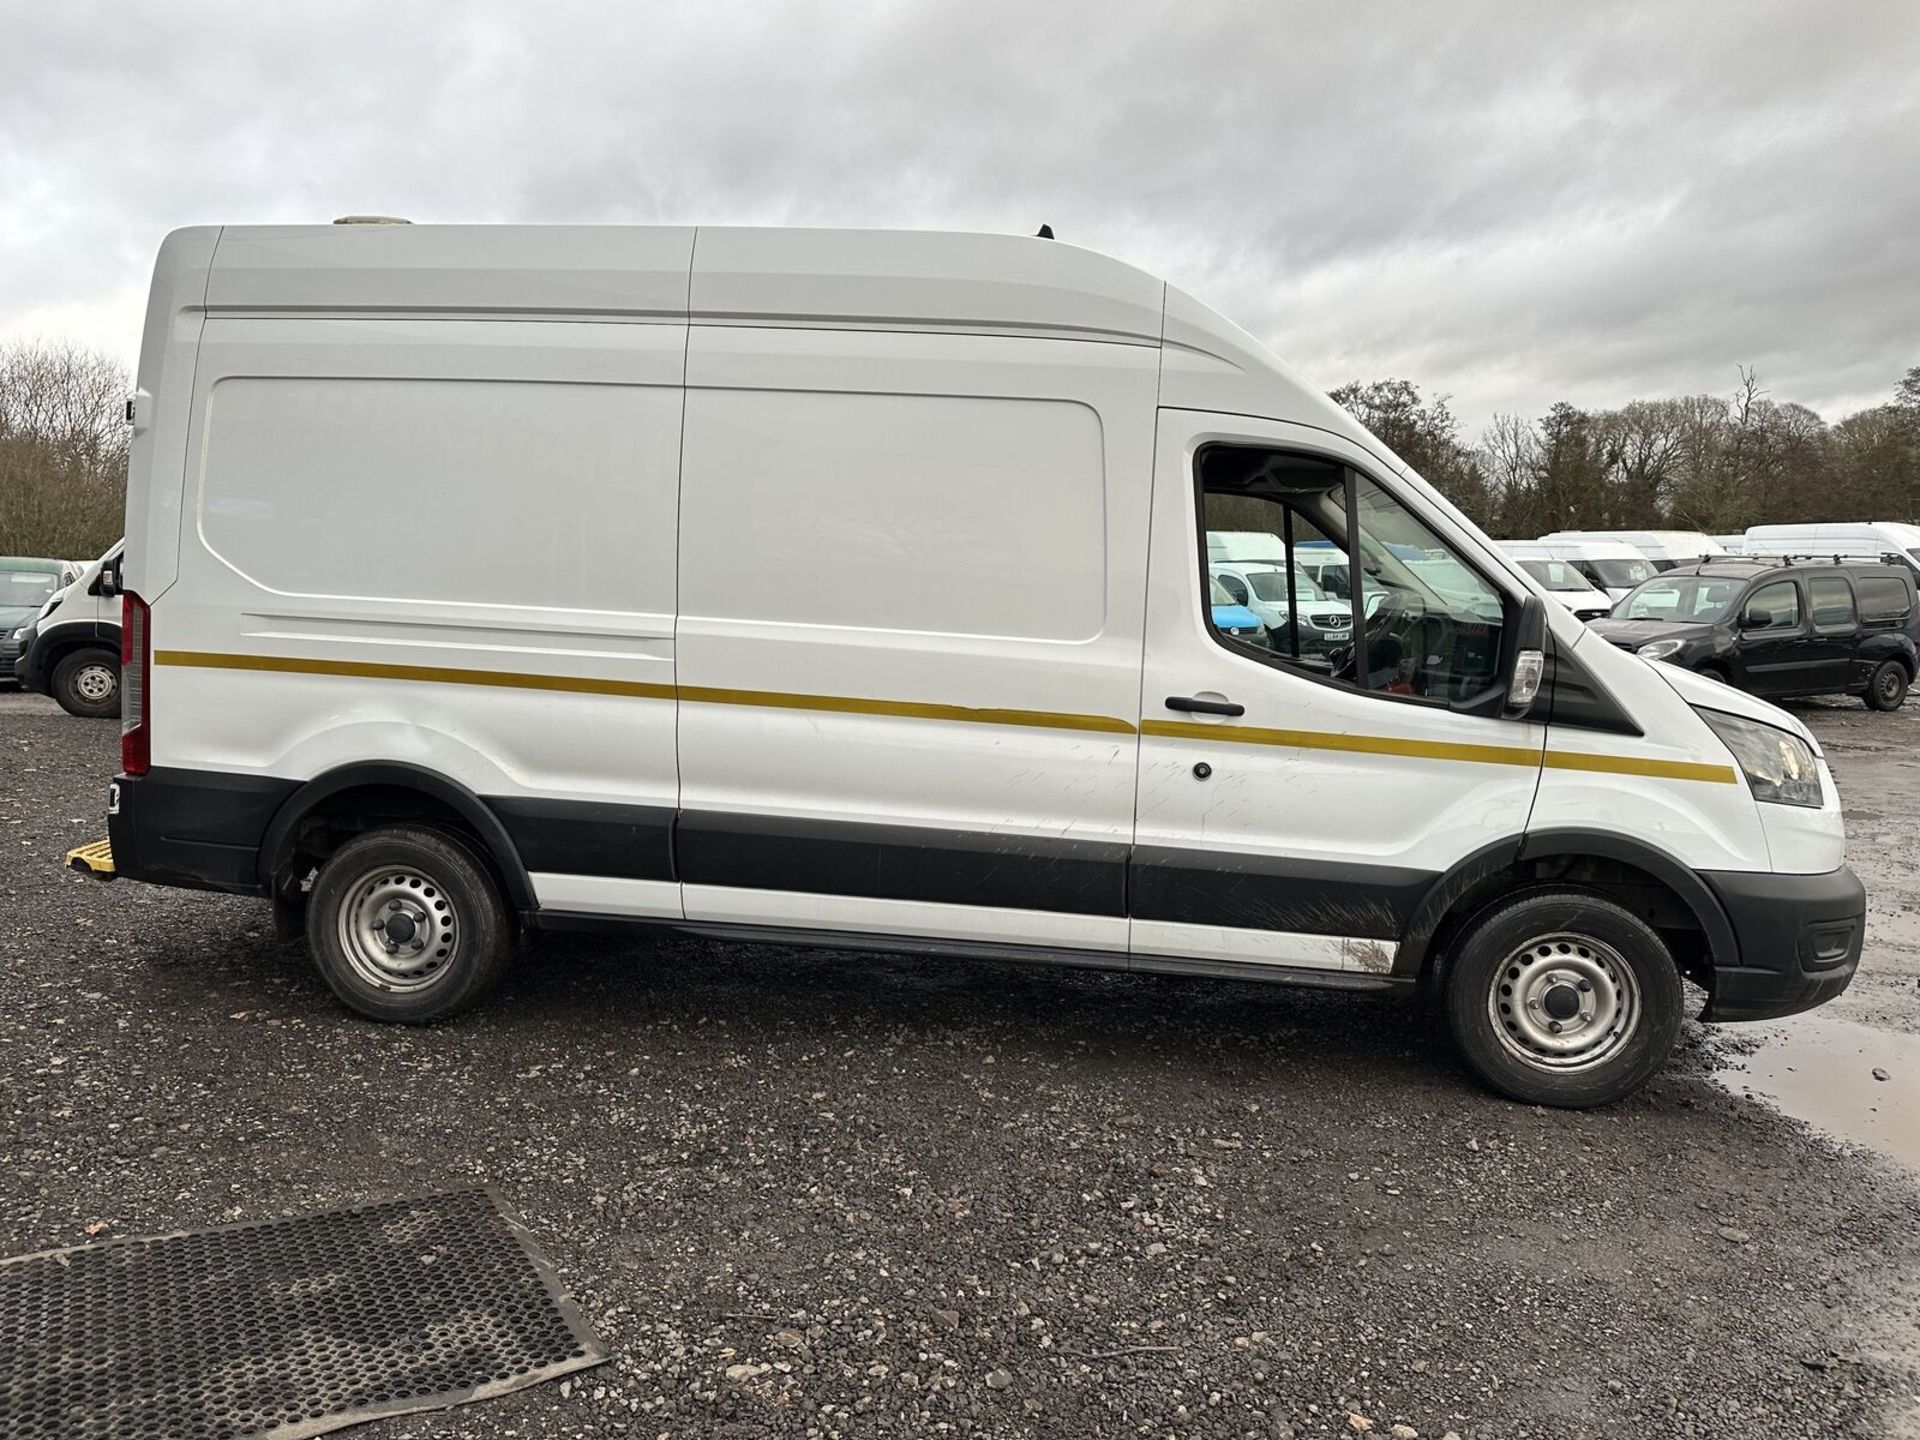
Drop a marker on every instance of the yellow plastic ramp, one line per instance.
(95, 859)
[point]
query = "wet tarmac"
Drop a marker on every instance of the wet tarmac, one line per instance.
(1823, 1067)
(1855, 1082)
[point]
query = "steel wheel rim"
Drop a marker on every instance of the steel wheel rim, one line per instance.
(1564, 1003)
(1890, 683)
(398, 929)
(95, 684)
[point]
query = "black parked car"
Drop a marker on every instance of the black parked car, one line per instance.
(1778, 629)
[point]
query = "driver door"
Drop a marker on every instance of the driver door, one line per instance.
(1293, 811)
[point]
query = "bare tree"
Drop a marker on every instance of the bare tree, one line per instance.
(63, 450)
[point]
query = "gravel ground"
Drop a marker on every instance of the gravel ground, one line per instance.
(918, 1198)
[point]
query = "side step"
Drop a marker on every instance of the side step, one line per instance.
(95, 859)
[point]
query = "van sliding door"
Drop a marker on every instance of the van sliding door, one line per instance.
(912, 569)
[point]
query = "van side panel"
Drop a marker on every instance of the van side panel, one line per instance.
(912, 575)
(437, 542)
(163, 402)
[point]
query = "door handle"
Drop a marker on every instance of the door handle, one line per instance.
(1204, 707)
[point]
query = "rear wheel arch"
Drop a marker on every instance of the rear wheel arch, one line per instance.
(331, 808)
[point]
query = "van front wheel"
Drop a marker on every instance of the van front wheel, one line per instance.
(405, 924)
(87, 684)
(1562, 998)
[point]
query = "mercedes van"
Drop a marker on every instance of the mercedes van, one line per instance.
(852, 589)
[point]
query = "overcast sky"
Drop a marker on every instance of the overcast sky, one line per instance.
(1513, 203)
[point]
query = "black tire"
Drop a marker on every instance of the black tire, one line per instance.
(459, 932)
(86, 682)
(1591, 953)
(1887, 690)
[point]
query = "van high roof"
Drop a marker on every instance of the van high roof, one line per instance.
(906, 280)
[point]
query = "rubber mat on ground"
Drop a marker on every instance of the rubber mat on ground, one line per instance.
(282, 1328)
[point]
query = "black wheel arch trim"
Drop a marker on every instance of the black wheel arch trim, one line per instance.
(1502, 856)
(1484, 864)
(465, 803)
(1723, 947)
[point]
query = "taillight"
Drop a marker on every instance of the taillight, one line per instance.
(136, 669)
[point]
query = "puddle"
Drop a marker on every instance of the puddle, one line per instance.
(1820, 1070)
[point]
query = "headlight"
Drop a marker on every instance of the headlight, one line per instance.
(1779, 766)
(1660, 649)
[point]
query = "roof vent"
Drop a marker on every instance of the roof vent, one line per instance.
(372, 220)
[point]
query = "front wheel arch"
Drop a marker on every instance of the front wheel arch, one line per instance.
(1661, 890)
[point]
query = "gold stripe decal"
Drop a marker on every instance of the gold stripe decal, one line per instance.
(1351, 744)
(433, 674)
(1631, 765)
(583, 685)
(844, 705)
(910, 709)
(1439, 750)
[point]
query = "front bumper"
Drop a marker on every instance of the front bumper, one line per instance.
(24, 670)
(1799, 938)
(11, 648)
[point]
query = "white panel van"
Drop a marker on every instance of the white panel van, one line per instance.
(1878, 539)
(1563, 579)
(71, 650)
(853, 589)
(1611, 566)
(1664, 548)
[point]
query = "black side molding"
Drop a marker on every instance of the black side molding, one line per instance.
(901, 862)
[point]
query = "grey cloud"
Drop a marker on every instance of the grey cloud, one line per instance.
(1515, 203)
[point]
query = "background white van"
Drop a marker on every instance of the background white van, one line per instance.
(71, 650)
(1612, 566)
(1665, 548)
(1563, 579)
(853, 588)
(1879, 538)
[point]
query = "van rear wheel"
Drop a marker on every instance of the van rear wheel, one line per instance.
(87, 683)
(406, 924)
(1888, 688)
(1563, 998)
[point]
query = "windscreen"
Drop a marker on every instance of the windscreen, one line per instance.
(1621, 574)
(1555, 574)
(1692, 598)
(26, 587)
(1272, 585)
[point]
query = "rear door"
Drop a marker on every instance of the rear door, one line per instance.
(1775, 658)
(1295, 804)
(1834, 632)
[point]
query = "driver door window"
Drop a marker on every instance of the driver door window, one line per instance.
(1779, 602)
(1429, 627)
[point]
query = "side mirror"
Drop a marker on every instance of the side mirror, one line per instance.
(1756, 620)
(1528, 659)
(107, 582)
